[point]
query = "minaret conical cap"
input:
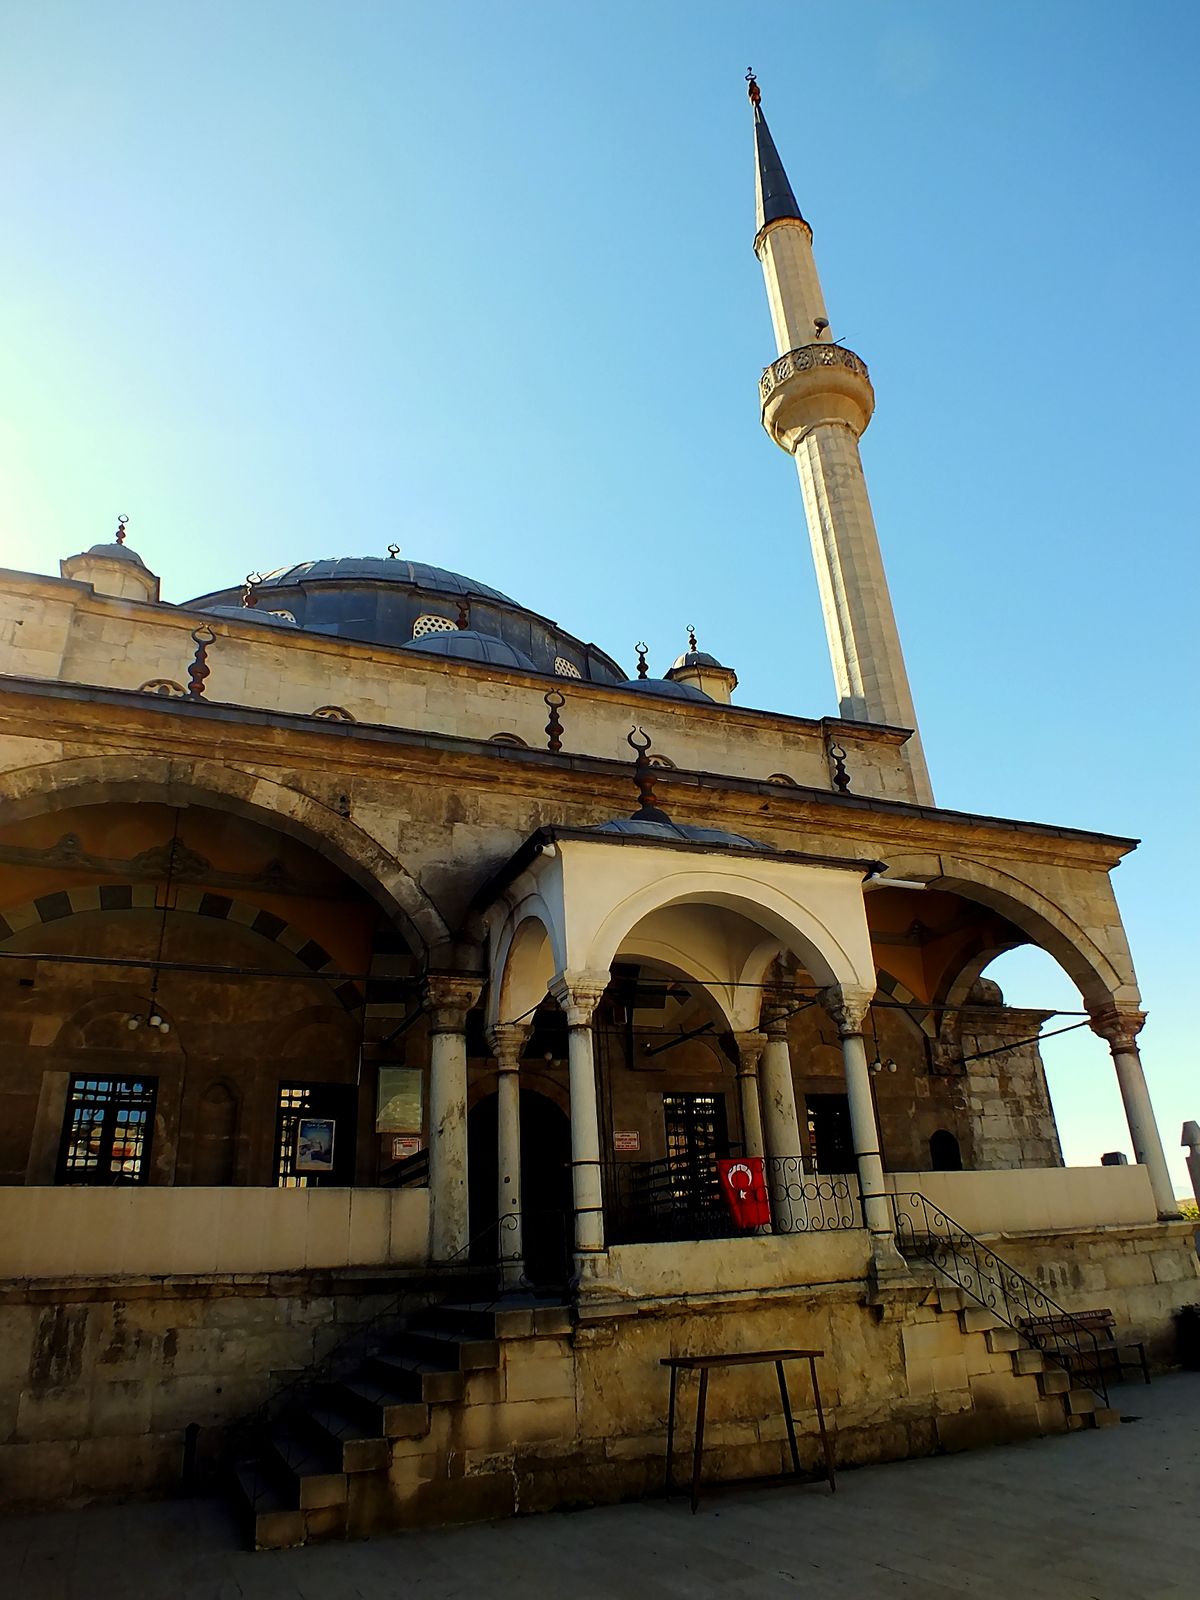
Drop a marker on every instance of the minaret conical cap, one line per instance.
(773, 195)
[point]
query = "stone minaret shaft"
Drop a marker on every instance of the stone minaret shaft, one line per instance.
(816, 402)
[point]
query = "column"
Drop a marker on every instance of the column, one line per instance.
(448, 999)
(848, 1008)
(579, 994)
(781, 1125)
(1120, 1026)
(508, 1042)
(750, 1047)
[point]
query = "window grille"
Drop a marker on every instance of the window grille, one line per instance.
(295, 1101)
(566, 669)
(428, 624)
(106, 1133)
(512, 739)
(333, 714)
(163, 686)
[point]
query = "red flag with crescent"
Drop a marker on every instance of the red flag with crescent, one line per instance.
(744, 1185)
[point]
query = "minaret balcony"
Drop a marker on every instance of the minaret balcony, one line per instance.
(814, 384)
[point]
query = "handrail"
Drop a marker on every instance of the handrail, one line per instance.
(975, 1268)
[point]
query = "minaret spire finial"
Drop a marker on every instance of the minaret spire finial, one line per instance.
(752, 88)
(774, 200)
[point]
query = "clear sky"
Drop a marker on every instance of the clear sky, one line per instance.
(285, 280)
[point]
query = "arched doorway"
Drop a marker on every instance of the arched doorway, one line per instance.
(545, 1186)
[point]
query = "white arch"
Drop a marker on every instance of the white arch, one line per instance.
(796, 928)
(528, 950)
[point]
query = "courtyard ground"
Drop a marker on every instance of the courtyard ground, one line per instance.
(1087, 1516)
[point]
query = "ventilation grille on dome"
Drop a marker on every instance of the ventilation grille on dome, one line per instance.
(566, 669)
(428, 624)
(164, 686)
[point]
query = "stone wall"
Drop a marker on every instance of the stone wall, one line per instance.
(99, 1380)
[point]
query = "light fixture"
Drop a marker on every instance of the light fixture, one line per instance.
(154, 1017)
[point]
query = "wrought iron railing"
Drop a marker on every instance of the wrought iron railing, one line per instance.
(923, 1229)
(648, 1202)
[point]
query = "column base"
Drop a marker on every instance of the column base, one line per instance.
(889, 1269)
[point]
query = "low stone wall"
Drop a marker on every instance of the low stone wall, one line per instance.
(74, 1231)
(98, 1381)
(1033, 1199)
(1142, 1274)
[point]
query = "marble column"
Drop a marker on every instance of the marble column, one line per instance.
(848, 1008)
(750, 1047)
(1119, 1026)
(579, 994)
(448, 998)
(781, 1125)
(508, 1041)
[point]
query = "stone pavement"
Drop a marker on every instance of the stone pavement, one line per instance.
(1088, 1516)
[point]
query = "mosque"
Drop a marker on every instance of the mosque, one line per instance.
(417, 1024)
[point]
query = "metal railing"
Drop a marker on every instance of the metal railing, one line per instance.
(923, 1229)
(649, 1202)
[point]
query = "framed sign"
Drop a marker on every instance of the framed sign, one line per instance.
(626, 1139)
(314, 1144)
(399, 1108)
(404, 1145)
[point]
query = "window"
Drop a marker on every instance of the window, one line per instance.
(333, 714)
(294, 1101)
(566, 669)
(106, 1133)
(166, 687)
(430, 624)
(696, 1129)
(335, 1102)
(830, 1141)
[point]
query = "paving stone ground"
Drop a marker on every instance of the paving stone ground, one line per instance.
(1088, 1516)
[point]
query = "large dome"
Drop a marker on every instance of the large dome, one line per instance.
(384, 600)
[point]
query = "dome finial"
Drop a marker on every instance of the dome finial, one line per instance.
(643, 671)
(120, 535)
(648, 811)
(752, 88)
(249, 597)
(691, 632)
(393, 551)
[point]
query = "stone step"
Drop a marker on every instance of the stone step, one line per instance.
(339, 1434)
(1003, 1340)
(262, 1506)
(514, 1317)
(416, 1380)
(465, 1352)
(1027, 1361)
(1053, 1380)
(952, 1300)
(382, 1409)
(975, 1319)
(1106, 1417)
(1080, 1402)
(316, 1474)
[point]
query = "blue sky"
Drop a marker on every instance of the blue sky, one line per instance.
(289, 280)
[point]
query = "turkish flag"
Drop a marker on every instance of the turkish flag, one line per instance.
(744, 1185)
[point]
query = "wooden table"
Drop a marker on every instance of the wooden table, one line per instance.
(743, 1358)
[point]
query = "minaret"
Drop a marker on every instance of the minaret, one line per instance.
(816, 401)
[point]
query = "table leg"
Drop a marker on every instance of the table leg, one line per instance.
(668, 1485)
(698, 1449)
(825, 1445)
(787, 1416)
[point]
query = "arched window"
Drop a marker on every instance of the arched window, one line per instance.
(163, 686)
(566, 669)
(430, 624)
(944, 1154)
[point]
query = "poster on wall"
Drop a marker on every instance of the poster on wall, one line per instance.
(314, 1144)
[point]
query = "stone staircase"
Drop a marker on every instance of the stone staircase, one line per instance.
(994, 1355)
(327, 1468)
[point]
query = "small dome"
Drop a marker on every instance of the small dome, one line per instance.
(985, 992)
(252, 614)
(697, 658)
(465, 644)
(116, 552)
(666, 686)
(679, 830)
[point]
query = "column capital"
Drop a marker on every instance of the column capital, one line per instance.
(508, 1041)
(578, 993)
(1118, 1025)
(448, 996)
(848, 1007)
(750, 1047)
(776, 1007)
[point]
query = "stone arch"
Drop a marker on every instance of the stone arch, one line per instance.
(181, 781)
(102, 1023)
(529, 950)
(795, 927)
(1100, 978)
(922, 1017)
(116, 897)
